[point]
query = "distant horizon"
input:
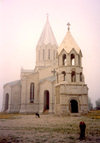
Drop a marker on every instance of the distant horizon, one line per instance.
(21, 25)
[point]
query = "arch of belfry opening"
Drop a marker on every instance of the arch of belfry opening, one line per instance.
(74, 106)
(72, 59)
(6, 101)
(73, 76)
(64, 60)
(64, 75)
(46, 100)
(81, 76)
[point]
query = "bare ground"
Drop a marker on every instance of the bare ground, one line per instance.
(18, 128)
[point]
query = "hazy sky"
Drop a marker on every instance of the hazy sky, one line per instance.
(22, 21)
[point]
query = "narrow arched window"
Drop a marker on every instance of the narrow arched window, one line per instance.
(39, 55)
(43, 54)
(64, 75)
(79, 62)
(6, 101)
(54, 55)
(81, 76)
(31, 92)
(64, 60)
(73, 76)
(49, 54)
(72, 59)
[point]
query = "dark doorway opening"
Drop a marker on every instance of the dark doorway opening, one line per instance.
(74, 106)
(46, 100)
(6, 101)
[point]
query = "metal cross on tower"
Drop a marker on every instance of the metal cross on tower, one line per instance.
(53, 71)
(68, 24)
(47, 15)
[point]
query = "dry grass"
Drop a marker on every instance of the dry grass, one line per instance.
(94, 114)
(49, 128)
(8, 116)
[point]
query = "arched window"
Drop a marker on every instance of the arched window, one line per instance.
(6, 101)
(31, 92)
(79, 62)
(64, 75)
(54, 55)
(43, 54)
(72, 59)
(64, 60)
(49, 54)
(81, 76)
(39, 55)
(73, 76)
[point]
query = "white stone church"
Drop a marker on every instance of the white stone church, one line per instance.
(55, 85)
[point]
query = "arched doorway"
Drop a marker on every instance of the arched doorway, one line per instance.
(6, 101)
(74, 106)
(46, 100)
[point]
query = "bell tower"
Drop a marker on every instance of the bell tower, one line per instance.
(71, 90)
(46, 49)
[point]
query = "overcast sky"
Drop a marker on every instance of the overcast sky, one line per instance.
(21, 24)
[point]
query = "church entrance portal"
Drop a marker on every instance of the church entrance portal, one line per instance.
(6, 101)
(46, 100)
(74, 106)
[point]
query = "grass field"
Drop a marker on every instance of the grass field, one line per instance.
(48, 128)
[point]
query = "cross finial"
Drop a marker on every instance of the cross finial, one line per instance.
(47, 15)
(54, 72)
(68, 24)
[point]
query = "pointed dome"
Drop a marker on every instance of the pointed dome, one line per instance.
(68, 44)
(47, 35)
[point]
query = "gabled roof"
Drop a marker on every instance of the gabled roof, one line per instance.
(68, 44)
(51, 79)
(13, 83)
(47, 36)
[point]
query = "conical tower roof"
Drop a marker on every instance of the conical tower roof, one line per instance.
(47, 36)
(68, 43)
